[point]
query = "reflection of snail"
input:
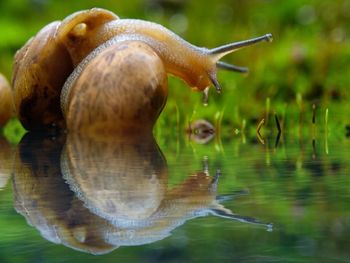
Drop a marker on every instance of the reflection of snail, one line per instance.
(122, 192)
(6, 101)
(112, 72)
(125, 183)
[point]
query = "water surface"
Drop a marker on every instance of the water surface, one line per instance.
(91, 199)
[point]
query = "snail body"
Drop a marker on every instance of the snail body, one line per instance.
(196, 66)
(62, 50)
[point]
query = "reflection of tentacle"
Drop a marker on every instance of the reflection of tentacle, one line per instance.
(226, 213)
(205, 165)
(214, 183)
(229, 197)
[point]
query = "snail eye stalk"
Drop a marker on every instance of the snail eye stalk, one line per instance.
(231, 67)
(231, 47)
(219, 52)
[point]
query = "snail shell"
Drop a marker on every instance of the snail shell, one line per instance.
(124, 86)
(41, 68)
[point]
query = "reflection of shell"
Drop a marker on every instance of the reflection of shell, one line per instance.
(116, 178)
(43, 198)
(6, 160)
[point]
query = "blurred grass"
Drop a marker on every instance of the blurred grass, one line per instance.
(309, 58)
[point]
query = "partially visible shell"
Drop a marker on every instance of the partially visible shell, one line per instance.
(6, 101)
(41, 68)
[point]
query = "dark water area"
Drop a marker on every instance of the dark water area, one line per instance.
(70, 198)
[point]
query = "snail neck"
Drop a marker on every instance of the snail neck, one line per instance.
(195, 65)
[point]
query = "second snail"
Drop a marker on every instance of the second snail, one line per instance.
(96, 73)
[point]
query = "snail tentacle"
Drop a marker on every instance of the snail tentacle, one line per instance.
(231, 67)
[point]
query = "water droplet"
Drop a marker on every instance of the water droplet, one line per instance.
(269, 37)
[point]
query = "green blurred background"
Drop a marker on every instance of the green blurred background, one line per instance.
(308, 62)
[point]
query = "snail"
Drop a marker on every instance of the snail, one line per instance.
(6, 101)
(131, 189)
(74, 67)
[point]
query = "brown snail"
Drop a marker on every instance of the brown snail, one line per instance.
(83, 64)
(6, 101)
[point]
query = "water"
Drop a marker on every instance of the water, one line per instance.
(87, 199)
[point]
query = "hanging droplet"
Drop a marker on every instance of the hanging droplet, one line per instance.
(205, 165)
(206, 96)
